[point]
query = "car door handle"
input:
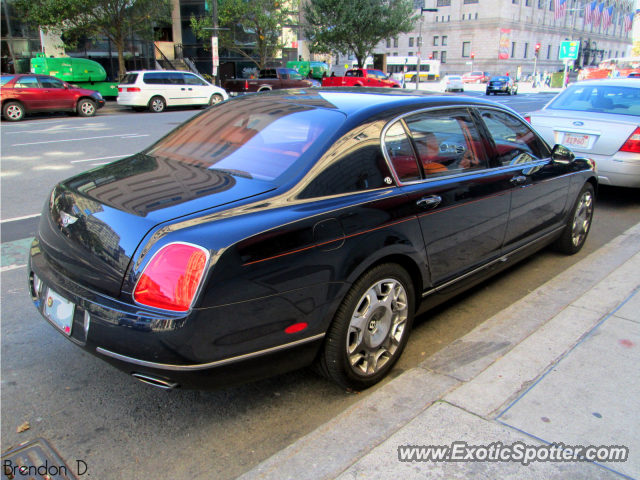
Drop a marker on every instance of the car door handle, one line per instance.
(518, 180)
(429, 202)
(190, 89)
(183, 89)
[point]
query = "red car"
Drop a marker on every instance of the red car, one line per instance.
(361, 77)
(476, 77)
(25, 93)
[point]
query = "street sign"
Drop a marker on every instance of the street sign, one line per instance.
(468, 63)
(214, 54)
(569, 50)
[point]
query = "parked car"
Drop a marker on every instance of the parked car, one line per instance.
(452, 83)
(276, 231)
(502, 84)
(476, 77)
(22, 94)
(268, 79)
(598, 118)
(157, 90)
(361, 77)
(634, 75)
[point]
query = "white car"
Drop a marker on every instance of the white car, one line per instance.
(598, 119)
(452, 83)
(159, 89)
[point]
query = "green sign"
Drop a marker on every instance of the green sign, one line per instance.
(569, 50)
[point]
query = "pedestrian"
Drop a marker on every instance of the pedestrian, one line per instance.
(333, 74)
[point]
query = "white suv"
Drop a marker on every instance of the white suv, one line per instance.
(159, 89)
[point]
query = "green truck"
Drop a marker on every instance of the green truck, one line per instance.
(81, 72)
(319, 69)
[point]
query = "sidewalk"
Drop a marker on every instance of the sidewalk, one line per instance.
(523, 87)
(562, 365)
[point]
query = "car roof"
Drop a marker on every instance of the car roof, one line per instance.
(159, 71)
(365, 102)
(616, 82)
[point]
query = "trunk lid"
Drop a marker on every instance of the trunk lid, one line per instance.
(94, 222)
(585, 132)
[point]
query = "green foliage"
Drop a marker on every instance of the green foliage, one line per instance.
(116, 19)
(255, 27)
(356, 25)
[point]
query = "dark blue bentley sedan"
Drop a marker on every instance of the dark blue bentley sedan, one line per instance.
(292, 228)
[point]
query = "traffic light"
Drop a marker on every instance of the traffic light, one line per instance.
(537, 50)
(473, 55)
(431, 56)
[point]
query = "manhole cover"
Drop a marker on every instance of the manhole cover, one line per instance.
(36, 460)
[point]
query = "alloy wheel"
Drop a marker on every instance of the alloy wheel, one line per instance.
(377, 326)
(582, 218)
(157, 105)
(87, 108)
(14, 112)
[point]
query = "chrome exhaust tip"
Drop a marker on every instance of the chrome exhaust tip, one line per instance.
(156, 382)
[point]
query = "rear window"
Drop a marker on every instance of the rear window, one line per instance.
(353, 73)
(262, 140)
(268, 73)
(500, 79)
(453, 77)
(129, 79)
(4, 80)
(599, 98)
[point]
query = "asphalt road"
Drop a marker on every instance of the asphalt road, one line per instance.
(123, 429)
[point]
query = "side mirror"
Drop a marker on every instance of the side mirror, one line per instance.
(561, 154)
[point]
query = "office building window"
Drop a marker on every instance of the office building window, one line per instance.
(466, 49)
(467, 2)
(395, 42)
(411, 41)
(541, 4)
(395, 54)
(444, 39)
(448, 18)
(513, 49)
(434, 55)
(419, 42)
(476, 16)
(463, 16)
(436, 39)
(388, 43)
(515, 2)
(443, 57)
(436, 19)
(411, 54)
(549, 52)
(444, 3)
(526, 50)
(552, 6)
(527, 3)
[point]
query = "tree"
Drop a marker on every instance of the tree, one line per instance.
(254, 27)
(115, 19)
(356, 25)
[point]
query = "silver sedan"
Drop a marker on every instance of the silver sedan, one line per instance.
(599, 119)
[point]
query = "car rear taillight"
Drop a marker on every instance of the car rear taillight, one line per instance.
(133, 89)
(633, 142)
(120, 89)
(528, 119)
(246, 84)
(171, 278)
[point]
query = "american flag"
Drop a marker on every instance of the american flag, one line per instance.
(607, 17)
(628, 22)
(597, 14)
(560, 8)
(589, 8)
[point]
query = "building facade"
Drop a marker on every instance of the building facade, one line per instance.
(502, 34)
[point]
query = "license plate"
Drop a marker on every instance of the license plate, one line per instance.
(575, 140)
(59, 310)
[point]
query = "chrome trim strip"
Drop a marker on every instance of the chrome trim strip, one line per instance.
(203, 366)
(503, 258)
(428, 292)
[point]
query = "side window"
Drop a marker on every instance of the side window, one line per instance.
(152, 78)
(515, 141)
(193, 80)
(372, 74)
(26, 82)
(48, 82)
(447, 142)
(357, 164)
(173, 78)
(401, 153)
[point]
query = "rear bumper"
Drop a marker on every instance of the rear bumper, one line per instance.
(619, 170)
(204, 349)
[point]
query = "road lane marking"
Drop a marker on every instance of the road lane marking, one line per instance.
(15, 254)
(102, 158)
(56, 130)
(11, 267)
(20, 218)
(126, 135)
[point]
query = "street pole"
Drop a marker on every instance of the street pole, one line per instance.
(214, 41)
(422, 10)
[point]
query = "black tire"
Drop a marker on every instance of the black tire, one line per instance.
(157, 104)
(86, 107)
(13, 111)
(414, 78)
(488, 94)
(515, 92)
(391, 328)
(139, 109)
(579, 222)
(508, 91)
(215, 99)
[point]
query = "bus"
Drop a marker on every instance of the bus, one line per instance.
(429, 69)
(624, 65)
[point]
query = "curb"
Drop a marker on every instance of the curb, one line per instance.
(508, 341)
